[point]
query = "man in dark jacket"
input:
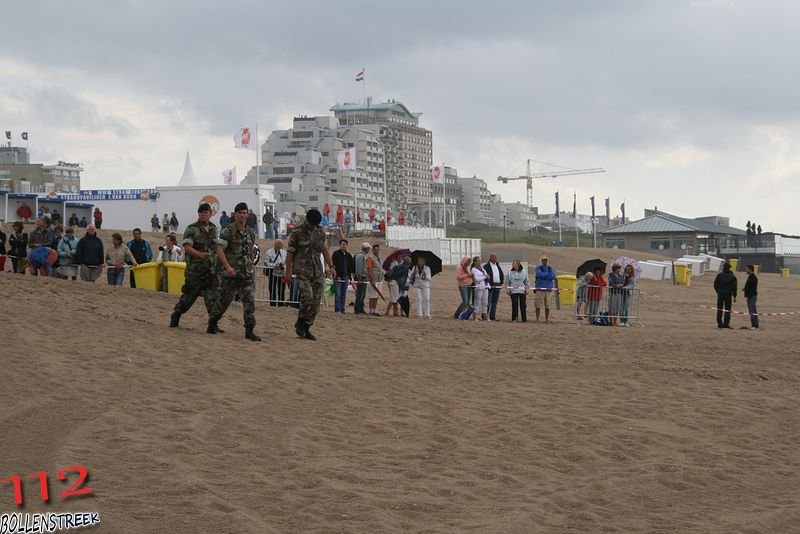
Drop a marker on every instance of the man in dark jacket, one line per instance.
(268, 219)
(725, 285)
(141, 250)
(751, 295)
(252, 222)
(496, 278)
(89, 255)
(345, 266)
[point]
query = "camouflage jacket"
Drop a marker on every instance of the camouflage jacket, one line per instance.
(307, 245)
(238, 248)
(202, 240)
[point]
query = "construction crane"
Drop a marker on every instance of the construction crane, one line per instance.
(530, 177)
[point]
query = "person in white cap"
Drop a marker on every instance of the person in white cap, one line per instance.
(361, 278)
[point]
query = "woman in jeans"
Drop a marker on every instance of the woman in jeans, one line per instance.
(627, 294)
(518, 286)
(616, 283)
(481, 281)
(116, 257)
(464, 280)
(420, 279)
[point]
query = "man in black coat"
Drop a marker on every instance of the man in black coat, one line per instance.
(344, 265)
(751, 295)
(89, 255)
(496, 279)
(725, 285)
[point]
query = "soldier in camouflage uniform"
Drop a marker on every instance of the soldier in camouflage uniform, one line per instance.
(236, 272)
(307, 244)
(200, 244)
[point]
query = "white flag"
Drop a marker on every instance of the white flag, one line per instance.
(347, 159)
(229, 176)
(437, 173)
(245, 138)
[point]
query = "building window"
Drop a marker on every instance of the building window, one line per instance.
(684, 244)
(283, 170)
(659, 243)
(616, 242)
(302, 134)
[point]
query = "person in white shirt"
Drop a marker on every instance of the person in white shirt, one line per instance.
(170, 251)
(420, 279)
(481, 280)
(274, 261)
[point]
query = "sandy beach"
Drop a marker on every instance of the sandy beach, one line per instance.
(391, 424)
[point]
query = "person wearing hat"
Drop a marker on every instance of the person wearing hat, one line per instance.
(235, 272)
(360, 276)
(305, 252)
(543, 288)
(199, 244)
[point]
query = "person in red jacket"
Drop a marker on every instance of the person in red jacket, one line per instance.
(594, 294)
(98, 218)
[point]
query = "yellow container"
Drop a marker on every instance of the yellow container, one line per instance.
(148, 276)
(567, 284)
(734, 265)
(683, 274)
(756, 268)
(785, 272)
(176, 275)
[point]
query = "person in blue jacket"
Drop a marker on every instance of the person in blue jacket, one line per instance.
(543, 290)
(41, 260)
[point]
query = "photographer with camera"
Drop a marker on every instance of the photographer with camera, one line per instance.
(170, 251)
(274, 262)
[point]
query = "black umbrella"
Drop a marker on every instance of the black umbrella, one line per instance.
(590, 265)
(431, 260)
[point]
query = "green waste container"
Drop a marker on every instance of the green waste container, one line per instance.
(148, 276)
(567, 284)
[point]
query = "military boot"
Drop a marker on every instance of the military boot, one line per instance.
(174, 319)
(249, 334)
(300, 328)
(309, 335)
(212, 326)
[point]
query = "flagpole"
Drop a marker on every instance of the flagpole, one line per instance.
(258, 166)
(558, 215)
(444, 199)
(430, 201)
(575, 216)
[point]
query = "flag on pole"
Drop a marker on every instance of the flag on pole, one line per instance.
(360, 75)
(245, 138)
(24, 136)
(229, 176)
(347, 159)
(592, 199)
(608, 209)
(575, 206)
(8, 135)
(622, 209)
(558, 208)
(437, 173)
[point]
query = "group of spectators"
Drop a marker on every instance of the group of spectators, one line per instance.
(54, 250)
(616, 293)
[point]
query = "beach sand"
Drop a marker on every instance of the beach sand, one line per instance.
(391, 424)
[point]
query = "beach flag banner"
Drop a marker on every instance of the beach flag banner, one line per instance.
(558, 209)
(229, 176)
(360, 75)
(437, 173)
(245, 138)
(24, 136)
(622, 209)
(592, 200)
(8, 135)
(575, 207)
(347, 159)
(608, 209)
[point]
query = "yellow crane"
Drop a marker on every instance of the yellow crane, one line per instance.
(530, 177)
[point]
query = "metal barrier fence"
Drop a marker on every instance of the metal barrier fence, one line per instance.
(607, 306)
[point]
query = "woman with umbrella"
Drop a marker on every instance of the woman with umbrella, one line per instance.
(616, 283)
(389, 266)
(420, 279)
(595, 293)
(627, 294)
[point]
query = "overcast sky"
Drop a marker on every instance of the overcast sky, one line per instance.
(689, 105)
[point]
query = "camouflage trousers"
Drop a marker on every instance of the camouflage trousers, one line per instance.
(199, 282)
(310, 296)
(228, 287)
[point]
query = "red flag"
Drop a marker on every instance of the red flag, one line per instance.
(371, 214)
(326, 209)
(401, 218)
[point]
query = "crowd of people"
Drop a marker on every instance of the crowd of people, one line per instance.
(221, 265)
